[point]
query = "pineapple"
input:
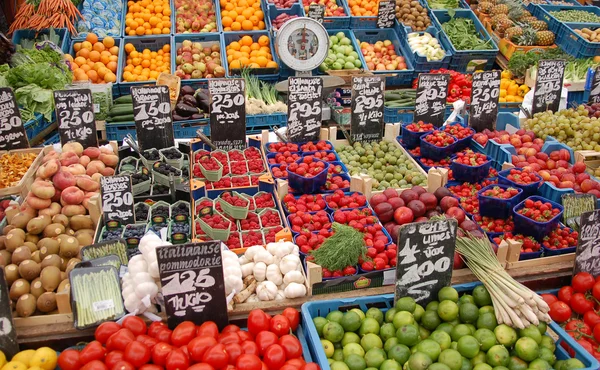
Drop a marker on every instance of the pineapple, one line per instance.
(497, 19)
(527, 37)
(499, 9)
(529, 19)
(512, 33)
(544, 38)
(539, 25)
(485, 7)
(503, 25)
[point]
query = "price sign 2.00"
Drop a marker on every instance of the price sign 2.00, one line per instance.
(117, 200)
(75, 116)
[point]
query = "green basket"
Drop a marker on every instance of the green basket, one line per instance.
(178, 163)
(164, 180)
(242, 233)
(207, 210)
(178, 238)
(146, 162)
(152, 210)
(258, 194)
(212, 175)
(216, 234)
(237, 151)
(263, 211)
(239, 213)
(128, 164)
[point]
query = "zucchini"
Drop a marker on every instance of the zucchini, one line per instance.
(121, 110)
(124, 99)
(122, 118)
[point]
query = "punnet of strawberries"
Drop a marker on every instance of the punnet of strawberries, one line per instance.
(325, 155)
(501, 193)
(561, 237)
(340, 200)
(420, 127)
(284, 158)
(538, 211)
(471, 159)
(308, 167)
(440, 139)
(314, 146)
(529, 243)
(304, 221)
(235, 200)
(282, 147)
(264, 200)
(522, 177)
(431, 163)
(305, 203)
(458, 131)
(494, 225)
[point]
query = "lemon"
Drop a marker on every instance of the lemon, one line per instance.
(35, 368)
(24, 356)
(14, 365)
(2, 359)
(45, 358)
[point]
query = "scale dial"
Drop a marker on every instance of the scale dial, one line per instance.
(302, 44)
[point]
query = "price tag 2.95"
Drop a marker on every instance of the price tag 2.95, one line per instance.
(484, 100)
(117, 200)
(430, 104)
(548, 85)
(386, 14)
(228, 113)
(304, 108)
(75, 116)
(152, 116)
(12, 133)
(366, 120)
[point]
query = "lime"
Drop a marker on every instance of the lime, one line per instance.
(353, 349)
(335, 316)
(481, 296)
(438, 366)
(387, 331)
(445, 326)
(472, 328)
(485, 309)
(482, 366)
(376, 314)
(359, 312)
(371, 368)
(466, 364)
(548, 342)
(559, 365)
(573, 363)
(467, 298)
(487, 320)
(389, 314)
(515, 363)
(406, 304)
(418, 312)
(338, 355)
(454, 346)
(355, 362)
(468, 346)
(527, 349)
(486, 338)
(400, 353)
(433, 305)
(468, 313)
(327, 347)
(333, 332)
(371, 341)
(532, 332)
(319, 324)
(449, 293)
(419, 361)
(539, 364)
(369, 325)
(459, 331)
(330, 361)
(403, 318)
(429, 347)
(547, 355)
(350, 337)
(424, 333)
(442, 338)
(350, 321)
(390, 343)
(390, 365)
(375, 357)
(498, 355)
(478, 359)
(408, 335)
(500, 368)
(505, 335)
(447, 310)
(339, 365)
(451, 358)
(430, 320)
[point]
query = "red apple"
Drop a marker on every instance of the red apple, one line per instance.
(403, 215)
(457, 213)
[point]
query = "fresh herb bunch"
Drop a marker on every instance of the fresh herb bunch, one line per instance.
(520, 61)
(463, 34)
(342, 249)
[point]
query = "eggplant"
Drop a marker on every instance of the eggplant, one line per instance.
(202, 96)
(189, 100)
(185, 110)
(187, 90)
(197, 116)
(177, 117)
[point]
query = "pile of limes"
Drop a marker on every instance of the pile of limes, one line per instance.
(450, 334)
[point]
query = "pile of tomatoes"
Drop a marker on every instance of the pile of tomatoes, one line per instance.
(266, 345)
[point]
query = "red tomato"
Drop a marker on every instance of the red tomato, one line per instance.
(185, 350)
(93, 351)
(565, 293)
(94, 365)
(289, 367)
(250, 348)
(112, 358)
(549, 298)
(596, 290)
(578, 326)
(248, 362)
(120, 340)
(229, 337)
(136, 324)
(234, 350)
(105, 330)
(183, 333)
(69, 360)
(147, 340)
(596, 332)
(580, 304)
(274, 357)
(293, 317)
(164, 335)
(199, 345)
(177, 360)
(258, 321)
(591, 318)
(208, 329)
(311, 366)
(150, 367)
(280, 325)
(296, 362)
(560, 311)
(160, 353)
(244, 335)
(137, 353)
(264, 339)
(585, 344)
(582, 282)
(291, 346)
(155, 327)
(122, 365)
(216, 356)
(230, 329)
(201, 367)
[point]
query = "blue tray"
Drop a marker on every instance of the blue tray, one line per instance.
(65, 37)
(420, 62)
(264, 74)
(572, 43)
(207, 40)
(528, 190)
(140, 43)
(495, 207)
(527, 226)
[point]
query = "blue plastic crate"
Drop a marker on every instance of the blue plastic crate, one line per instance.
(466, 60)
(308, 185)
(572, 43)
(528, 190)
(463, 173)
(273, 12)
(174, 19)
(65, 37)
(499, 152)
(555, 25)
(402, 77)
(154, 43)
(551, 145)
(577, 97)
(527, 226)
(188, 129)
(123, 26)
(420, 62)
(264, 74)
(118, 130)
(495, 207)
(206, 40)
(333, 23)
(32, 127)
(322, 190)
(261, 120)
(53, 138)
(396, 115)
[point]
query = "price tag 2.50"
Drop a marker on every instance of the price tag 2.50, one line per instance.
(12, 132)
(228, 113)
(484, 100)
(75, 116)
(117, 200)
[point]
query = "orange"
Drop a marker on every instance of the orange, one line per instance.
(246, 40)
(80, 61)
(93, 75)
(113, 58)
(233, 14)
(166, 11)
(245, 49)
(94, 56)
(112, 66)
(128, 48)
(253, 65)
(263, 40)
(247, 25)
(255, 46)
(110, 77)
(85, 67)
(235, 45)
(262, 61)
(76, 46)
(248, 12)
(85, 53)
(166, 48)
(80, 75)
(134, 54)
(102, 71)
(235, 64)
(236, 26)
(261, 25)
(104, 59)
(254, 20)
(272, 64)
(91, 38)
(98, 46)
(140, 31)
(86, 45)
(68, 57)
(259, 14)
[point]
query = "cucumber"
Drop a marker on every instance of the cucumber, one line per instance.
(122, 118)
(124, 99)
(121, 110)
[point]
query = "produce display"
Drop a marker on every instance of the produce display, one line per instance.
(195, 60)
(242, 15)
(341, 54)
(191, 17)
(102, 20)
(147, 17)
(426, 45)
(388, 60)
(591, 35)
(242, 56)
(332, 8)
(464, 36)
(579, 16)
(95, 60)
(146, 64)
(412, 14)
(281, 19)
(13, 167)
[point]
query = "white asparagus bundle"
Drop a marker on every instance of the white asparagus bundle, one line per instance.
(515, 304)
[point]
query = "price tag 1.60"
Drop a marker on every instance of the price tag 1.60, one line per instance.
(12, 133)
(117, 200)
(75, 116)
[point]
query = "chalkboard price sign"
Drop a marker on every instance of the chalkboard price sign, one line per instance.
(595, 88)
(548, 85)
(386, 15)
(8, 334)
(430, 104)
(152, 116)
(484, 100)
(192, 283)
(304, 108)
(75, 116)
(366, 120)
(117, 200)
(587, 257)
(12, 133)
(425, 259)
(316, 12)
(228, 113)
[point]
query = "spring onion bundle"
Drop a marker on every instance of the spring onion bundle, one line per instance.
(515, 305)
(261, 97)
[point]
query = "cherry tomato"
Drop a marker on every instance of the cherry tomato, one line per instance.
(112, 358)
(258, 321)
(199, 345)
(160, 353)
(216, 356)
(69, 360)
(293, 317)
(248, 362)
(150, 367)
(560, 311)
(289, 367)
(164, 335)
(201, 367)
(177, 360)
(591, 318)
(250, 348)
(147, 340)
(279, 325)
(230, 329)
(122, 365)
(291, 345)
(208, 329)
(274, 357)
(296, 362)
(580, 304)
(94, 365)
(596, 290)
(244, 335)
(136, 324)
(155, 327)
(229, 337)
(105, 330)
(92, 351)
(183, 333)
(120, 340)
(578, 327)
(264, 339)
(582, 282)
(311, 366)
(137, 353)
(549, 298)
(234, 350)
